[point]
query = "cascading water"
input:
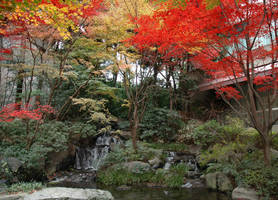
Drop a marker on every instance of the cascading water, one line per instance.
(93, 157)
(188, 159)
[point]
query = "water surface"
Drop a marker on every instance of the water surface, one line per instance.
(167, 194)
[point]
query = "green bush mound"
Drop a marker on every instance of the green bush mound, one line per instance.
(173, 178)
(160, 125)
(126, 153)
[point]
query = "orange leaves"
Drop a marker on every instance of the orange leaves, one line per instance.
(63, 16)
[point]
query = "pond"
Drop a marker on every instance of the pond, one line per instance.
(166, 194)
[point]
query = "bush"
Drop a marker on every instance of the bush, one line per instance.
(232, 152)
(160, 124)
(24, 187)
(52, 136)
(179, 169)
(123, 177)
(126, 153)
(178, 147)
(208, 134)
(212, 132)
(264, 180)
(185, 135)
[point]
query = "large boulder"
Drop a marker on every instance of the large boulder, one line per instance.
(61, 193)
(155, 162)
(211, 180)
(13, 163)
(241, 193)
(60, 160)
(137, 166)
(218, 181)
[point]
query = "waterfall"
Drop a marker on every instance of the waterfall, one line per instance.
(93, 157)
(177, 157)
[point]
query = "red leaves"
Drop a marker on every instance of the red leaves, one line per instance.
(6, 51)
(13, 111)
(229, 92)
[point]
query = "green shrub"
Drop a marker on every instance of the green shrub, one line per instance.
(264, 180)
(208, 134)
(24, 187)
(124, 177)
(160, 124)
(52, 136)
(212, 132)
(231, 152)
(178, 147)
(185, 135)
(126, 153)
(180, 169)
(174, 181)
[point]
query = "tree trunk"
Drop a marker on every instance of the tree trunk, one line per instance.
(134, 127)
(115, 77)
(19, 88)
(267, 152)
(40, 85)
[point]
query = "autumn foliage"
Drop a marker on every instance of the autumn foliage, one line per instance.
(234, 42)
(17, 111)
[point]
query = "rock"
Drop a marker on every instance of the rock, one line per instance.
(137, 167)
(195, 183)
(155, 163)
(187, 185)
(218, 181)
(74, 179)
(61, 193)
(123, 187)
(58, 160)
(18, 196)
(193, 174)
(211, 180)
(223, 183)
(3, 185)
(13, 163)
(274, 153)
(194, 149)
(241, 193)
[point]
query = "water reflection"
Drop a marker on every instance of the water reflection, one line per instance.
(166, 194)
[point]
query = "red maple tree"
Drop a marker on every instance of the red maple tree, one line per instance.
(235, 43)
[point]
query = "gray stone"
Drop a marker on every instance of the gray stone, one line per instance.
(123, 187)
(223, 183)
(211, 180)
(137, 166)
(155, 163)
(274, 153)
(218, 181)
(18, 196)
(61, 193)
(13, 163)
(241, 193)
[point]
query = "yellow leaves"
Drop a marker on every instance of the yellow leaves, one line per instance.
(126, 103)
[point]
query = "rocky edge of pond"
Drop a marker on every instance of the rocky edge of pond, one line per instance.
(62, 193)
